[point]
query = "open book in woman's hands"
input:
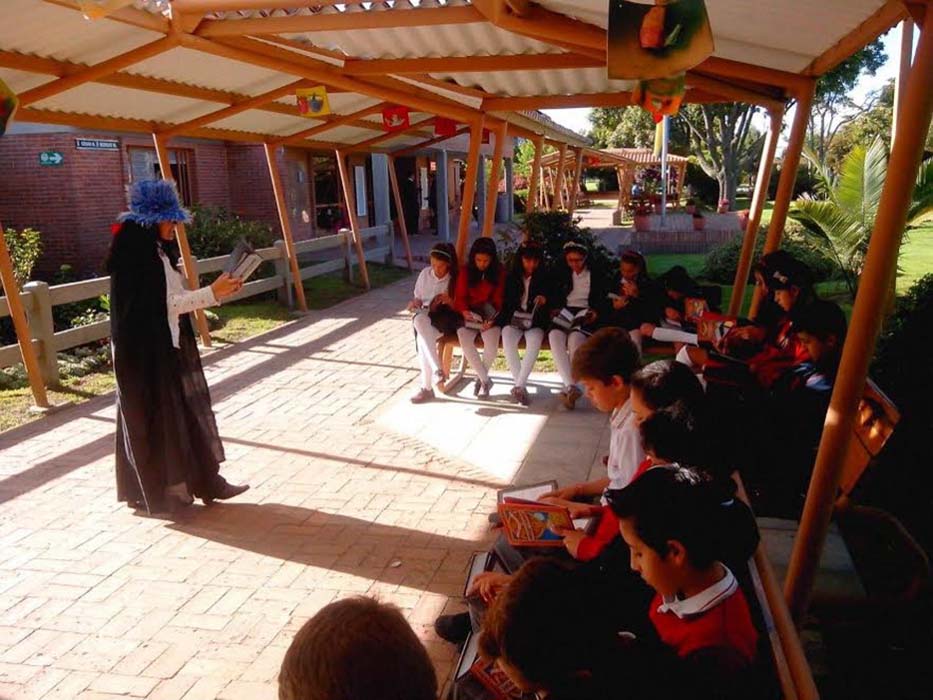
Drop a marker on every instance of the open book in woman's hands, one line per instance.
(243, 261)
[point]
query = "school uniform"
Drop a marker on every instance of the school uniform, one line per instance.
(625, 449)
(575, 291)
(431, 323)
(519, 295)
(471, 297)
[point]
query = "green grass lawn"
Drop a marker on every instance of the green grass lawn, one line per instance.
(916, 257)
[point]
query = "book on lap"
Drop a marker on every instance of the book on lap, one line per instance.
(568, 321)
(480, 316)
(532, 524)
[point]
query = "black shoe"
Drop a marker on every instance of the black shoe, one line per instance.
(226, 491)
(477, 386)
(453, 628)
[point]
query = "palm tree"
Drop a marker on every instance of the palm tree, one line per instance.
(843, 216)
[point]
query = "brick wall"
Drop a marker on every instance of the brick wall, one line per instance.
(251, 195)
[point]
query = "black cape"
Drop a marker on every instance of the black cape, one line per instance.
(166, 432)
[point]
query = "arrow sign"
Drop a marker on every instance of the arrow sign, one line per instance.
(51, 158)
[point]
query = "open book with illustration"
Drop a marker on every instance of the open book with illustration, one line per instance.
(243, 260)
(713, 333)
(473, 676)
(532, 524)
(695, 308)
(529, 494)
(479, 316)
(567, 320)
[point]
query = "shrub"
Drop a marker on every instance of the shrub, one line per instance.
(25, 248)
(722, 261)
(77, 313)
(216, 230)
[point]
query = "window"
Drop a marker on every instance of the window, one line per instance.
(144, 164)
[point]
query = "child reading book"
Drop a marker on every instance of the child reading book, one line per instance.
(524, 315)
(580, 296)
(669, 518)
(636, 301)
(434, 316)
(357, 649)
(479, 300)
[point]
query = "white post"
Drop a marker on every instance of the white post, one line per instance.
(664, 178)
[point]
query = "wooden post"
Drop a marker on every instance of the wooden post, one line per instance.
(575, 187)
(754, 214)
(191, 271)
(492, 187)
(547, 183)
(535, 181)
(21, 325)
(349, 198)
(880, 266)
(559, 178)
(285, 222)
(469, 187)
(681, 176)
(400, 212)
(785, 188)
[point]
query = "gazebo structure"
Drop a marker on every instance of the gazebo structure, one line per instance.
(228, 70)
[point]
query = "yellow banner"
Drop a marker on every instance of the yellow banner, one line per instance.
(313, 102)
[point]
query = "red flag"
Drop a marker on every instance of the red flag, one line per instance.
(485, 136)
(444, 127)
(395, 118)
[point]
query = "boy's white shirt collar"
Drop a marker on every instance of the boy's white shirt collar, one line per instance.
(621, 414)
(704, 600)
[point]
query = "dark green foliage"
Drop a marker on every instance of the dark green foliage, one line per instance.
(723, 260)
(77, 313)
(702, 187)
(215, 231)
(25, 248)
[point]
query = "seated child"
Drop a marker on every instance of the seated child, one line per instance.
(479, 296)
(357, 649)
(526, 292)
(670, 521)
(576, 288)
(677, 285)
(434, 316)
(635, 301)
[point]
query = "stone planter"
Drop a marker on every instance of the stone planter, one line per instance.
(642, 222)
(699, 223)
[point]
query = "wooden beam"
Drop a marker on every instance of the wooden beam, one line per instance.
(880, 266)
(400, 210)
(333, 124)
(191, 270)
(204, 6)
(388, 135)
(408, 150)
(98, 70)
(559, 177)
(349, 198)
(282, 208)
(21, 325)
(340, 21)
(877, 24)
(532, 203)
(575, 187)
(495, 175)
(732, 92)
(470, 64)
(469, 188)
(126, 15)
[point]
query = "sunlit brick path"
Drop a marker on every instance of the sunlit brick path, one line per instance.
(354, 491)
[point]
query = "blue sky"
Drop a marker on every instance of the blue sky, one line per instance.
(578, 119)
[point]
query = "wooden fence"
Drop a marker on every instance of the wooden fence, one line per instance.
(39, 298)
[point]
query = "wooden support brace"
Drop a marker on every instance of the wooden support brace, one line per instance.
(280, 205)
(492, 187)
(559, 178)
(469, 187)
(349, 199)
(400, 211)
(575, 187)
(535, 180)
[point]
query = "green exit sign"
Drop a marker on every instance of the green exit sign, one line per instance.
(51, 158)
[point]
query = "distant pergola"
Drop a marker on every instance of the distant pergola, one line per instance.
(228, 69)
(560, 175)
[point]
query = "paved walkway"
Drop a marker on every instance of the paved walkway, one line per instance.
(355, 491)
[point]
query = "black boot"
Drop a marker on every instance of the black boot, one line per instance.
(222, 490)
(453, 628)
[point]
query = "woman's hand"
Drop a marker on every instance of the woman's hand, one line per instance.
(414, 304)
(672, 314)
(225, 286)
(488, 584)
(647, 329)
(539, 300)
(572, 539)
(488, 324)
(630, 289)
(467, 315)
(590, 318)
(568, 493)
(619, 303)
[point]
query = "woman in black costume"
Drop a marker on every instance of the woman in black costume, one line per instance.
(167, 446)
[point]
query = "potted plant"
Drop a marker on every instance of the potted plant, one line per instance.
(699, 221)
(691, 206)
(723, 206)
(642, 209)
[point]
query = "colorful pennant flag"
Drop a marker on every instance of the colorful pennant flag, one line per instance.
(95, 9)
(313, 102)
(485, 138)
(395, 118)
(8, 104)
(444, 127)
(660, 97)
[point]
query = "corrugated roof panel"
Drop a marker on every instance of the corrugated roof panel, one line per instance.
(347, 134)
(19, 81)
(541, 82)
(204, 70)
(417, 42)
(340, 9)
(112, 101)
(43, 29)
(263, 123)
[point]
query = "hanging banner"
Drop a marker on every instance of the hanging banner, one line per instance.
(8, 104)
(444, 127)
(313, 102)
(395, 118)
(656, 41)
(96, 9)
(485, 139)
(660, 97)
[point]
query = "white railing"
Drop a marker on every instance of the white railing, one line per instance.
(39, 298)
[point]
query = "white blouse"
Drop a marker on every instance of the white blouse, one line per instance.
(579, 297)
(180, 301)
(428, 285)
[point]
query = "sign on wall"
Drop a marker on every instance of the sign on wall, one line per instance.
(97, 145)
(51, 158)
(359, 177)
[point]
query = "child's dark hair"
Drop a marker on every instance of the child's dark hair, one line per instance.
(530, 250)
(546, 626)
(670, 433)
(483, 246)
(673, 503)
(357, 649)
(446, 252)
(633, 257)
(821, 319)
(608, 353)
(664, 382)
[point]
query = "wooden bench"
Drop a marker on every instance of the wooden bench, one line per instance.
(447, 344)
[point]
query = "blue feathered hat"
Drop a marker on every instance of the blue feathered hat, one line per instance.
(152, 201)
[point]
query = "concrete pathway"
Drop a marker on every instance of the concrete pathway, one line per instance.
(354, 491)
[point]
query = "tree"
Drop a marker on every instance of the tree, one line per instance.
(843, 222)
(873, 123)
